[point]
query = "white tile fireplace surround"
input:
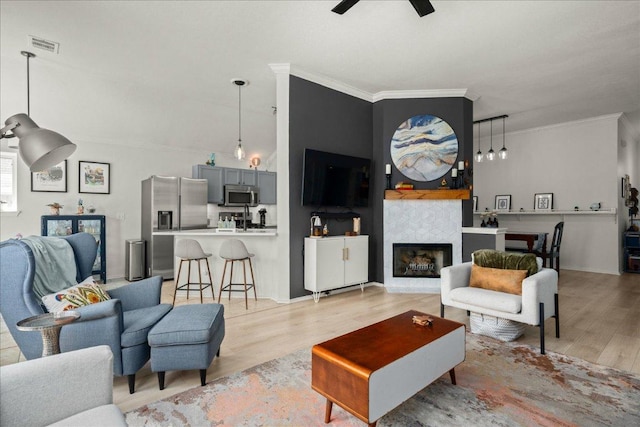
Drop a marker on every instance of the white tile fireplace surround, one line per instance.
(420, 221)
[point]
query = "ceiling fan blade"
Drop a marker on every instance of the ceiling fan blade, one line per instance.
(343, 6)
(423, 7)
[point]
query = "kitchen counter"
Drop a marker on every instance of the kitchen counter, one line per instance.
(259, 241)
(224, 232)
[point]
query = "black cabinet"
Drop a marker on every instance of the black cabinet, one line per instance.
(632, 252)
(63, 225)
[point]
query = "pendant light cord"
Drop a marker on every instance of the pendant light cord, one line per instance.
(491, 129)
(28, 89)
(239, 113)
(503, 133)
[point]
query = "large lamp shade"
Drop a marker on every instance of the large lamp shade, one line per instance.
(39, 148)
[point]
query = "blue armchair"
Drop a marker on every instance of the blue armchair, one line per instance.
(122, 323)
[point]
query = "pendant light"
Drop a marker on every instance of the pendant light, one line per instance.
(491, 155)
(479, 155)
(39, 148)
(239, 151)
(503, 152)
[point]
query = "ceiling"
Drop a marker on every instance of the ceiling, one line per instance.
(158, 73)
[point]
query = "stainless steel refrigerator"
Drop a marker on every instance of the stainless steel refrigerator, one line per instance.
(170, 203)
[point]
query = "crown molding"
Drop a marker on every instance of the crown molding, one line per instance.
(284, 68)
(630, 127)
(614, 116)
(378, 96)
(332, 84)
(425, 93)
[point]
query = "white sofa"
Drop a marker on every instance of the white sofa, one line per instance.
(539, 299)
(67, 389)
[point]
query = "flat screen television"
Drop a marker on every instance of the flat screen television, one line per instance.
(335, 180)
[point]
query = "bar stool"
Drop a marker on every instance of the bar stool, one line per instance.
(233, 250)
(190, 250)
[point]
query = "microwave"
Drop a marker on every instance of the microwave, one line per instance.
(241, 195)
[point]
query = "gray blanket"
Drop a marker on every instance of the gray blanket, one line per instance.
(55, 264)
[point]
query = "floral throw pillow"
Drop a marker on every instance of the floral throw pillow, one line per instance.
(80, 295)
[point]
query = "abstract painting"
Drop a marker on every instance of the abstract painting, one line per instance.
(424, 148)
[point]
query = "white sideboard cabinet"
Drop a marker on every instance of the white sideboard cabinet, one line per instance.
(335, 262)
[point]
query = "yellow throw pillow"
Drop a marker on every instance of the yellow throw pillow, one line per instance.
(74, 297)
(497, 279)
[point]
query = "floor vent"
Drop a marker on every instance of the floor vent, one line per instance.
(40, 43)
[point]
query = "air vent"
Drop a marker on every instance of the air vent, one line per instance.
(40, 43)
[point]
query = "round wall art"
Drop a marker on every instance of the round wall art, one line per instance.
(424, 148)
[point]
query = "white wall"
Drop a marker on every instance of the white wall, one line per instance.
(578, 163)
(129, 166)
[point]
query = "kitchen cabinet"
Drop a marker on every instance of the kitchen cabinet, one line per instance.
(239, 176)
(215, 181)
(267, 186)
(335, 262)
(217, 177)
(63, 225)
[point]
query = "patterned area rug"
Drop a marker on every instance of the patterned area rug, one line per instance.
(499, 384)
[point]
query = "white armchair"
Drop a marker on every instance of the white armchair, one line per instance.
(67, 389)
(539, 299)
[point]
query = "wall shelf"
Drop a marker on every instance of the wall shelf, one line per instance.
(555, 212)
(427, 194)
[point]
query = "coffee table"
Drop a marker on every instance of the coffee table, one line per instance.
(372, 370)
(49, 325)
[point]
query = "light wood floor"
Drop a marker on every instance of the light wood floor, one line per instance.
(599, 322)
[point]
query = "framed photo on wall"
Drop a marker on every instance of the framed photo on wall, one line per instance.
(543, 202)
(52, 180)
(94, 177)
(503, 202)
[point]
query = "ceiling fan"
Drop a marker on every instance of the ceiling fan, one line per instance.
(422, 7)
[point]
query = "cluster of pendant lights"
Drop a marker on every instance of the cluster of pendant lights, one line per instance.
(491, 155)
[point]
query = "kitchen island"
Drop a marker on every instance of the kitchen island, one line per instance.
(260, 241)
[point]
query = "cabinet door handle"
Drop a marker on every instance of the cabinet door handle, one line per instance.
(346, 254)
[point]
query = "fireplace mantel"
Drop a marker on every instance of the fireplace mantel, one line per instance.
(462, 194)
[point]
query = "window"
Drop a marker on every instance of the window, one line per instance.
(8, 182)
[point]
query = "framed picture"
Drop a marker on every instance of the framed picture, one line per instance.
(503, 202)
(475, 203)
(543, 202)
(94, 177)
(53, 179)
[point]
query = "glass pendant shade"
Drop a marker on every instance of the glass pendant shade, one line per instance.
(503, 152)
(479, 156)
(491, 155)
(239, 152)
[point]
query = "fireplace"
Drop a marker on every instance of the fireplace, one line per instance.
(417, 260)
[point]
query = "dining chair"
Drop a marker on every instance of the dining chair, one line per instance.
(553, 254)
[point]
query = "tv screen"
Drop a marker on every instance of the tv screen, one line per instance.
(334, 180)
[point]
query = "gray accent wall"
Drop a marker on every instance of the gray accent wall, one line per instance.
(326, 120)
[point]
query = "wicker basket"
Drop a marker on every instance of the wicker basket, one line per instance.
(496, 327)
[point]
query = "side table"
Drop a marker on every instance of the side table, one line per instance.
(49, 325)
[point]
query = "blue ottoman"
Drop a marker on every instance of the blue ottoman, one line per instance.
(187, 338)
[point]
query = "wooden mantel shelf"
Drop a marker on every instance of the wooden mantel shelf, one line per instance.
(427, 194)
